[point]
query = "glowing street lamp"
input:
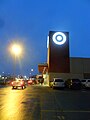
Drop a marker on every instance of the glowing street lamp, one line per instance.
(16, 49)
(32, 70)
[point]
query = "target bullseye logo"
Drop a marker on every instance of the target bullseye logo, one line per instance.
(59, 38)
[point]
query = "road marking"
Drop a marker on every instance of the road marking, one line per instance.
(61, 117)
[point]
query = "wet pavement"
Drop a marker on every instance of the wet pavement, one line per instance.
(39, 102)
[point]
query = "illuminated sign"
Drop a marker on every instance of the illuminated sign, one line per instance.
(59, 38)
(47, 41)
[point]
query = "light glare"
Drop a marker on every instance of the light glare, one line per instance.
(16, 49)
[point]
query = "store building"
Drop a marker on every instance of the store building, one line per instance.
(59, 63)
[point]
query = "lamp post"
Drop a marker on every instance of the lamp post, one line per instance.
(16, 50)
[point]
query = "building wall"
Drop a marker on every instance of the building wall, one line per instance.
(46, 79)
(65, 76)
(80, 65)
(76, 65)
(79, 68)
(86, 66)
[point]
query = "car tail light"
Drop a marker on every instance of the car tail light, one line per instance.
(30, 81)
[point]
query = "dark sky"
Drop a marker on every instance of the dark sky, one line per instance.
(29, 22)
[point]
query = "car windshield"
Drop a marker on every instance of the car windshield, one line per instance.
(83, 80)
(59, 80)
(75, 80)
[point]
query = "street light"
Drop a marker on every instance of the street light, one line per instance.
(31, 71)
(16, 49)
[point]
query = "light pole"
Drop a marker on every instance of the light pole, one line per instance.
(16, 50)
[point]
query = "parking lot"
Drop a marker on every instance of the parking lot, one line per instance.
(44, 103)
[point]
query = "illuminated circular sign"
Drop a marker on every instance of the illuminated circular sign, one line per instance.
(59, 38)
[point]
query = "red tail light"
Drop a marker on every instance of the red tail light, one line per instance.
(30, 81)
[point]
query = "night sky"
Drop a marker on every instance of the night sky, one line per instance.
(28, 23)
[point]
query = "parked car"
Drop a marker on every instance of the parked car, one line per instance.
(30, 82)
(58, 83)
(85, 83)
(73, 83)
(18, 83)
(8, 82)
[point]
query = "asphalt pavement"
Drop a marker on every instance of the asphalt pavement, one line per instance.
(39, 102)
